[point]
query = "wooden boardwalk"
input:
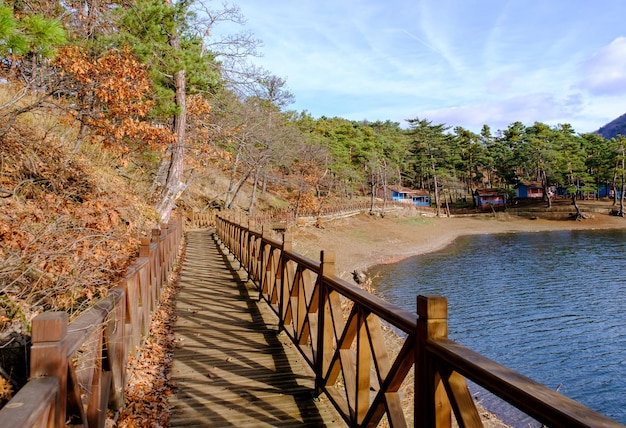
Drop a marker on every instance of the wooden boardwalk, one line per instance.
(232, 367)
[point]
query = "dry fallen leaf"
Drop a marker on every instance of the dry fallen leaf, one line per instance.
(149, 387)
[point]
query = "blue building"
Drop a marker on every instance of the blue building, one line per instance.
(529, 190)
(606, 190)
(420, 198)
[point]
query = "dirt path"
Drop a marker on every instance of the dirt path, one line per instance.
(363, 241)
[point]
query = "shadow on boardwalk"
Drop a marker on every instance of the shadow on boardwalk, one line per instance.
(231, 366)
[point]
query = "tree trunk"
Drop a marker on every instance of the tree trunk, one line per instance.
(578, 216)
(621, 196)
(372, 200)
(80, 138)
(432, 164)
(231, 183)
(174, 185)
(614, 184)
(384, 177)
(437, 196)
(264, 186)
(254, 187)
(544, 185)
(372, 183)
(240, 184)
(296, 213)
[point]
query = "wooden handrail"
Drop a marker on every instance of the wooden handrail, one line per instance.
(395, 316)
(537, 401)
(32, 406)
(204, 219)
(78, 369)
(345, 346)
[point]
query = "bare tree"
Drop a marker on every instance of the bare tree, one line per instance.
(233, 50)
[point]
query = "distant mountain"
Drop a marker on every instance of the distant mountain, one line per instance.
(613, 128)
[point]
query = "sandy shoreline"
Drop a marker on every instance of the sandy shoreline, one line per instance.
(363, 241)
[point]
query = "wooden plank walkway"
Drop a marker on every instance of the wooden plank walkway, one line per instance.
(231, 367)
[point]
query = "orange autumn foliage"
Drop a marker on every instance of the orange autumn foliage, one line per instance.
(68, 229)
(112, 97)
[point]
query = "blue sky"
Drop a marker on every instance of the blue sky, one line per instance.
(459, 62)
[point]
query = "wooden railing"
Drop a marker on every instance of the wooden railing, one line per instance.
(341, 330)
(288, 216)
(202, 219)
(78, 369)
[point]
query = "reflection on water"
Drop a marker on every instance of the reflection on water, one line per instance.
(548, 305)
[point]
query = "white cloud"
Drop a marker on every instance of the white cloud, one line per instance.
(528, 109)
(463, 63)
(605, 71)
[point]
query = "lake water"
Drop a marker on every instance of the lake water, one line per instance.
(551, 306)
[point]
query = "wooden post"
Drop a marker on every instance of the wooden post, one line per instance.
(281, 276)
(263, 264)
(251, 252)
(287, 242)
(323, 348)
(164, 243)
(144, 249)
(241, 238)
(220, 228)
(327, 259)
(149, 272)
(48, 356)
(217, 226)
(155, 235)
(162, 255)
(116, 352)
(432, 407)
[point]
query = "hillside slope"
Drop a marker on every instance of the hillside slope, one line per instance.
(613, 128)
(70, 224)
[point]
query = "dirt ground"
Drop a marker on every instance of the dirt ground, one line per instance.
(363, 240)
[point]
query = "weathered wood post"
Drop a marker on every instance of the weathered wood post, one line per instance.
(163, 243)
(153, 292)
(219, 230)
(264, 266)
(228, 241)
(48, 356)
(144, 248)
(243, 232)
(281, 274)
(323, 348)
(251, 245)
(116, 350)
(156, 233)
(245, 239)
(163, 254)
(432, 407)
